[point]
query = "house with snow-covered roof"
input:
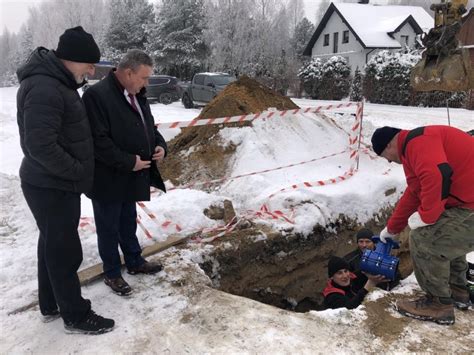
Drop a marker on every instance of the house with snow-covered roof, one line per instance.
(358, 31)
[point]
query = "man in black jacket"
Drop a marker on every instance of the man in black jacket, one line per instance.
(128, 149)
(364, 241)
(58, 166)
(342, 290)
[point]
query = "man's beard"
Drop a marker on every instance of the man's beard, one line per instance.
(80, 79)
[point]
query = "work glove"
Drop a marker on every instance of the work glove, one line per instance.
(415, 221)
(385, 234)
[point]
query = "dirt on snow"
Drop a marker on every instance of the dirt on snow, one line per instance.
(197, 153)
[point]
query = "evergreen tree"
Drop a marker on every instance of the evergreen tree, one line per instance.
(336, 79)
(311, 75)
(329, 80)
(176, 40)
(303, 32)
(356, 86)
(129, 19)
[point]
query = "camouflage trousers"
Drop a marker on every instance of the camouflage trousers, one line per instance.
(439, 251)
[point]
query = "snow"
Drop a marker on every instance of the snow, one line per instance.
(177, 311)
(383, 20)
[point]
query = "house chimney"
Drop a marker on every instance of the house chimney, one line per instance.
(363, 1)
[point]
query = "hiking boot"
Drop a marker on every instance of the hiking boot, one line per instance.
(49, 316)
(92, 324)
(460, 296)
(427, 308)
(118, 285)
(146, 268)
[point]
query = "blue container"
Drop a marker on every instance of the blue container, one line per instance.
(379, 261)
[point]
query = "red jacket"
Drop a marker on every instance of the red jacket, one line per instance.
(439, 167)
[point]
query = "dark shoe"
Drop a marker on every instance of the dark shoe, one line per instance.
(460, 296)
(49, 316)
(92, 324)
(428, 308)
(118, 285)
(146, 268)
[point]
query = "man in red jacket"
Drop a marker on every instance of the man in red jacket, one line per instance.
(438, 206)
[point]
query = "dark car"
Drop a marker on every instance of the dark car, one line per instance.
(102, 69)
(204, 87)
(163, 88)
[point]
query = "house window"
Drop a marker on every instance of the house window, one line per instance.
(335, 48)
(345, 37)
(404, 40)
(326, 40)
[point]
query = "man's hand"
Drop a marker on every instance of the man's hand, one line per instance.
(141, 164)
(158, 155)
(415, 221)
(373, 280)
(385, 234)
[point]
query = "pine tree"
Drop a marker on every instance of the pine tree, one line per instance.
(303, 32)
(176, 40)
(356, 86)
(129, 18)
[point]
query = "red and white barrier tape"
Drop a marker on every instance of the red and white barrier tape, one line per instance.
(354, 140)
(264, 212)
(250, 117)
(153, 217)
(209, 182)
(305, 184)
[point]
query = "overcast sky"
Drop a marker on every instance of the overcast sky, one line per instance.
(15, 12)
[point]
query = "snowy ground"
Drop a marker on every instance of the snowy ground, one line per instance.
(177, 311)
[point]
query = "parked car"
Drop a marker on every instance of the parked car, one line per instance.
(102, 69)
(204, 87)
(163, 88)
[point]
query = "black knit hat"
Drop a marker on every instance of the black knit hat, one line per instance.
(364, 233)
(335, 264)
(77, 45)
(383, 136)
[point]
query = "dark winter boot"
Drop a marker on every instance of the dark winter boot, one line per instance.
(460, 296)
(118, 285)
(428, 308)
(92, 324)
(146, 268)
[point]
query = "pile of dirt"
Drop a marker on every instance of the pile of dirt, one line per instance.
(245, 96)
(209, 159)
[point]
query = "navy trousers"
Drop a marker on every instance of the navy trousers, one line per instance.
(57, 215)
(116, 224)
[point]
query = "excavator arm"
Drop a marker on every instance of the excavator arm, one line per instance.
(446, 64)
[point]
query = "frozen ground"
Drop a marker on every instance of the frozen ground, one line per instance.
(177, 311)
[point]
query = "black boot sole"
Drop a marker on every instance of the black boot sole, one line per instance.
(72, 330)
(447, 321)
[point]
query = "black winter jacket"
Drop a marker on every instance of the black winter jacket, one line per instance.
(119, 135)
(337, 296)
(55, 135)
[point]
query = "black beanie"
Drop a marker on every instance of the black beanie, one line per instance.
(383, 136)
(77, 45)
(364, 233)
(335, 264)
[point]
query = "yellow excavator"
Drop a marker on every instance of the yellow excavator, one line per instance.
(447, 63)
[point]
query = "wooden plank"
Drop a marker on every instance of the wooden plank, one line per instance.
(95, 272)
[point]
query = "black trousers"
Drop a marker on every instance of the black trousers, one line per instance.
(116, 224)
(57, 215)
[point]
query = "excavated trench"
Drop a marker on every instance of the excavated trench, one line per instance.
(286, 271)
